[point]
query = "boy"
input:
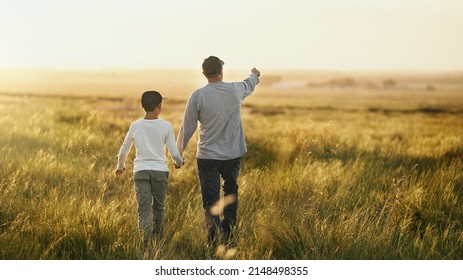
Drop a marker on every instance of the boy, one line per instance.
(151, 135)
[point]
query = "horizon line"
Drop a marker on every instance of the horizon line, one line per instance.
(271, 69)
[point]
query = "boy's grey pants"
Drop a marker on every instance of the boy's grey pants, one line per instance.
(150, 188)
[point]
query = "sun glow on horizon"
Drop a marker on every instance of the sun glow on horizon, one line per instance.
(294, 34)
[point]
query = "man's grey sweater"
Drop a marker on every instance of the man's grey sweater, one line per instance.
(217, 107)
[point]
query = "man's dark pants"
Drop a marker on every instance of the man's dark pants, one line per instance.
(210, 171)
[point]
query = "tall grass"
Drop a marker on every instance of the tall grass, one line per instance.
(315, 184)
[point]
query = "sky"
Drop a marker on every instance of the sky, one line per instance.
(291, 34)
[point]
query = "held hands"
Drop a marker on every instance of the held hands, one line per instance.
(179, 166)
(255, 71)
(119, 172)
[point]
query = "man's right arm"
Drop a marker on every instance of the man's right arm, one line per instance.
(189, 125)
(248, 85)
(256, 72)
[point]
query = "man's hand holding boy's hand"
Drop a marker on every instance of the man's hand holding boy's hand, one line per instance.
(179, 166)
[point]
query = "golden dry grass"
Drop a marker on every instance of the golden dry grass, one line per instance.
(340, 166)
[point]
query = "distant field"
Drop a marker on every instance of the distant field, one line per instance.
(340, 166)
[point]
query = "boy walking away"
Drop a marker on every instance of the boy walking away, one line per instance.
(151, 135)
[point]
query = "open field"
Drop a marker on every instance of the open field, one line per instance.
(340, 166)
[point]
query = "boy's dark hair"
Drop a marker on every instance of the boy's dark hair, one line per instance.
(150, 100)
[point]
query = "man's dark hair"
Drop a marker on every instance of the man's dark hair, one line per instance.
(150, 100)
(212, 66)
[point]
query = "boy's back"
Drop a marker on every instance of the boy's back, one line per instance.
(150, 137)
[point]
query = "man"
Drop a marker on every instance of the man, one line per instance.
(221, 143)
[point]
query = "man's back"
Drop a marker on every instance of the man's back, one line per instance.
(217, 108)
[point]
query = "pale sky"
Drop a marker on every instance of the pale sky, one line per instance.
(290, 34)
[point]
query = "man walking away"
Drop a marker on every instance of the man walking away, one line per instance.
(221, 143)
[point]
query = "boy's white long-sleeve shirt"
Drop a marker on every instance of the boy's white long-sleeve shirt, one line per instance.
(151, 137)
(217, 107)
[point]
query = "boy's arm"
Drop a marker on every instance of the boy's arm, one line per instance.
(189, 125)
(173, 151)
(124, 152)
